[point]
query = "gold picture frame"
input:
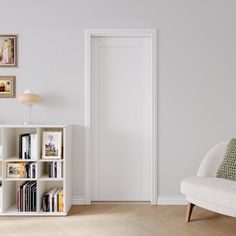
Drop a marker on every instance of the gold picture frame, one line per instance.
(7, 86)
(8, 50)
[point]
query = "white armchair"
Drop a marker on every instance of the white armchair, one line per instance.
(207, 191)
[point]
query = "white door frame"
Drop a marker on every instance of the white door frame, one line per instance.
(152, 34)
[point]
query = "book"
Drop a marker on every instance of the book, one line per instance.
(53, 200)
(27, 197)
(60, 198)
(59, 172)
(23, 146)
(28, 146)
(50, 194)
(55, 169)
(33, 146)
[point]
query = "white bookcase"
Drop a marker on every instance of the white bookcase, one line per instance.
(9, 143)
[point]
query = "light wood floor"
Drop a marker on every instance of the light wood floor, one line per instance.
(122, 220)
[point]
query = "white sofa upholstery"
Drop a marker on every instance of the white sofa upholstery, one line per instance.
(207, 191)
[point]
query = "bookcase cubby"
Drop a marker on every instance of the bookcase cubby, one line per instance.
(34, 173)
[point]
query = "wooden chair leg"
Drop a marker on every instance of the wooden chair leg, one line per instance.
(189, 211)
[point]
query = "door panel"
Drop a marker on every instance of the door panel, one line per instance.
(121, 119)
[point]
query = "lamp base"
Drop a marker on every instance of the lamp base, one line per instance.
(28, 123)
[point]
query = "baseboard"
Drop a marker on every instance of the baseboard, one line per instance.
(171, 200)
(161, 200)
(78, 200)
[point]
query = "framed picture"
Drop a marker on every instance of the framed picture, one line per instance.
(13, 170)
(7, 86)
(52, 145)
(8, 50)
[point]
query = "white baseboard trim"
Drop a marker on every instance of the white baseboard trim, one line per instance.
(78, 200)
(161, 200)
(171, 200)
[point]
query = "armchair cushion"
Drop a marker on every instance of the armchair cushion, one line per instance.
(221, 192)
(227, 169)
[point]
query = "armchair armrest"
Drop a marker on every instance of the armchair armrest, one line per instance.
(212, 160)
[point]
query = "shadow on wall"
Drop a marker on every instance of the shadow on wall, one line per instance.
(78, 161)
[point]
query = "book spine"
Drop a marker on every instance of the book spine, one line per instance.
(28, 146)
(20, 146)
(59, 169)
(23, 147)
(55, 169)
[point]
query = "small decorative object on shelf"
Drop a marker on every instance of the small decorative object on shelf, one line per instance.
(52, 145)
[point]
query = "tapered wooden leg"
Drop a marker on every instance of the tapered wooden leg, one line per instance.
(189, 211)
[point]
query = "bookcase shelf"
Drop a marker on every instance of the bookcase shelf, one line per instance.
(16, 159)
(47, 178)
(20, 179)
(50, 160)
(10, 142)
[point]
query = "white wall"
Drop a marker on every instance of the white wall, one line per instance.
(197, 71)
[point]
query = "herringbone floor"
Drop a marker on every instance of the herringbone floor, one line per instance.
(121, 220)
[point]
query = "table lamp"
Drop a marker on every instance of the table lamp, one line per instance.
(29, 99)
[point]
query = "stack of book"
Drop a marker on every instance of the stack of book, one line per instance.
(55, 169)
(27, 196)
(21, 170)
(53, 200)
(28, 146)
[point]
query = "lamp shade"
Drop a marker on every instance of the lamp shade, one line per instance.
(29, 98)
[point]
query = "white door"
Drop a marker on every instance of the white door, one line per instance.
(121, 119)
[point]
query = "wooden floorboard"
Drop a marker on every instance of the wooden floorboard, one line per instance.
(121, 220)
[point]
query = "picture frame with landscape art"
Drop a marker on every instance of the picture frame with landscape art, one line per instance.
(8, 50)
(52, 145)
(13, 170)
(7, 86)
